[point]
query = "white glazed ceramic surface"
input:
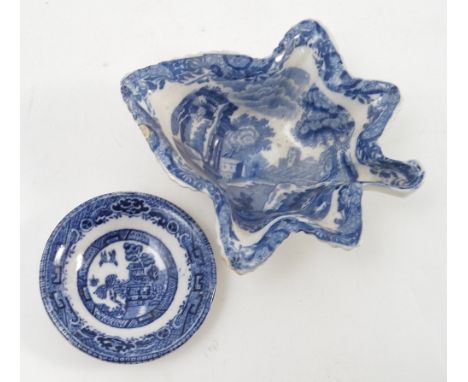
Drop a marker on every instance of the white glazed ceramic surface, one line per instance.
(281, 144)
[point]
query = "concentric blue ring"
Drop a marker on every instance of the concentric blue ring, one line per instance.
(130, 296)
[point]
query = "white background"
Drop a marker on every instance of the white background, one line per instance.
(312, 312)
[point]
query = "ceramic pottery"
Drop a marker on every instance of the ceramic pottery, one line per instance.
(127, 277)
(280, 144)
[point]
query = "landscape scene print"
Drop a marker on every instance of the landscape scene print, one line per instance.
(128, 278)
(281, 144)
(228, 131)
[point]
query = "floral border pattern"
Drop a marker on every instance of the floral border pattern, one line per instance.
(381, 98)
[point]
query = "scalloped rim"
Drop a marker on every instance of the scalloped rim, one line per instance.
(336, 78)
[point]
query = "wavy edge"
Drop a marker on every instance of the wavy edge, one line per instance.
(385, 97)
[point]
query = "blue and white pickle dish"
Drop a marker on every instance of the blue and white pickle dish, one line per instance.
(281, 144)
(127, 277)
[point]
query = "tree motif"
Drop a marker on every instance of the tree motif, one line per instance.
(248, 136)
(322, 122)
(134, 254)
(141, 267)
(110, 289)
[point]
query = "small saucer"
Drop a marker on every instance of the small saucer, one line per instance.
(127, 277)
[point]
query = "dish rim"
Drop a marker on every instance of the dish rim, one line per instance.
(334, 75)
(63, 330)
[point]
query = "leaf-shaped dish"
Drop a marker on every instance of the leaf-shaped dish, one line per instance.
(281, 144)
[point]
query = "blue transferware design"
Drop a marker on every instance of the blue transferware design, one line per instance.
(281, 144)
(143, 295)
(127, 277)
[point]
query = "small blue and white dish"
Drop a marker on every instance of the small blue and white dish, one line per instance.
(127, 277)
(281, 144)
